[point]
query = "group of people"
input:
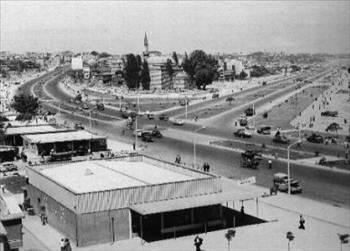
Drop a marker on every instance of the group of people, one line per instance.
(206, 167)
(178, 159)
(65, 245)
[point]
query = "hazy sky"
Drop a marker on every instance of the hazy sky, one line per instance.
(119, 27)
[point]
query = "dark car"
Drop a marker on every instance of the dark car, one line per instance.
(146, 136)
(164, 117)
(150, 116)
(249, 111)
(243, 122)
(315, 138)
(329, 113)
(156, 133)
(183, 102)
(215, 96)
(264, 130)
(100, 106)
(242, 133)
(78, 126)
(85, 106)
(280, 139)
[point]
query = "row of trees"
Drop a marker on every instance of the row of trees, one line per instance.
(136, 72)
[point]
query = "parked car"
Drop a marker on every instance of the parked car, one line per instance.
(150, 116)
(178, 122)
(78, 126)
(329, 114)
(183, 102)
(264, 130)
(242, 133)
(315, 138)
(164, 117)
(8, 167)
(215, 96)
(280, 139)
(243, 122)
(156, 133)
(100, 106)
(249, 111)
(281, 181)
(146, 136)
(85, 106)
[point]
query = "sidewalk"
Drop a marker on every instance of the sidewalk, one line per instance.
(323, 223)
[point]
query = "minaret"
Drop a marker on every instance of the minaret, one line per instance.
(145, 43)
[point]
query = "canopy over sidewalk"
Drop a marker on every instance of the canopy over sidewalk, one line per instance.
(231, 192)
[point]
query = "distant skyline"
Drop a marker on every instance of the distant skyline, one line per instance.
(220, 26)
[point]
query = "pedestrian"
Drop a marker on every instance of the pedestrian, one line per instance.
(67, 245)
(270, 164)
(198, 241)
(301, 222)
(208, 167)
(134, 146)
(62, 245)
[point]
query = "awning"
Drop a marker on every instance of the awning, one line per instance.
(233, 192)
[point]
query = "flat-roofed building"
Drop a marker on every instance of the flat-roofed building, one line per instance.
(108, 200)
(11, 236)
(13, 134)
(69, 143)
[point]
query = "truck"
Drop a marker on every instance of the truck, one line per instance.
(251, 159)
(280, 180)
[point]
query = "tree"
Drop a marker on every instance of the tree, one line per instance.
(174, 56)
(230, 99)
(94, 53)
(169, 68)
(145, 77)
(26, 105)
(132, 72)
(243, 75)
(104, 55)
(200, 67)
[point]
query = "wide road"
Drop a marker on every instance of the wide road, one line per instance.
(322, 185)
(220, 128)
(318, 184)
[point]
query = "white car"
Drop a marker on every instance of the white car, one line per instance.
(178, 122)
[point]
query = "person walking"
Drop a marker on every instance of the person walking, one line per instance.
(198, 241)
(269, 164)
(62, 245)
(301, 222)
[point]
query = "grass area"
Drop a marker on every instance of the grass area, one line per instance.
(342, 164)
(282, 114)
(220, 107)
(264, 150)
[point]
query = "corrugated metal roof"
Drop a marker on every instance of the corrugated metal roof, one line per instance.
(191, 202)
(60, 137)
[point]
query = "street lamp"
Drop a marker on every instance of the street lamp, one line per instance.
(288, 163)
(194, 146)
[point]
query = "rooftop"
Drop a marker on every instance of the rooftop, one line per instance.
(93, 176)
(61, 136)
(32, 129)
(9, 208)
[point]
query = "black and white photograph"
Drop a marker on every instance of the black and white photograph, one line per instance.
(174, 125)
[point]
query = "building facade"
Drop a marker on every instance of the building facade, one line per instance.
(132, 196)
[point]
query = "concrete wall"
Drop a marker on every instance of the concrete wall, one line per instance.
(58, 216)
(103, 227)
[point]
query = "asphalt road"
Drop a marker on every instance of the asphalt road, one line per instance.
(318, 184)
